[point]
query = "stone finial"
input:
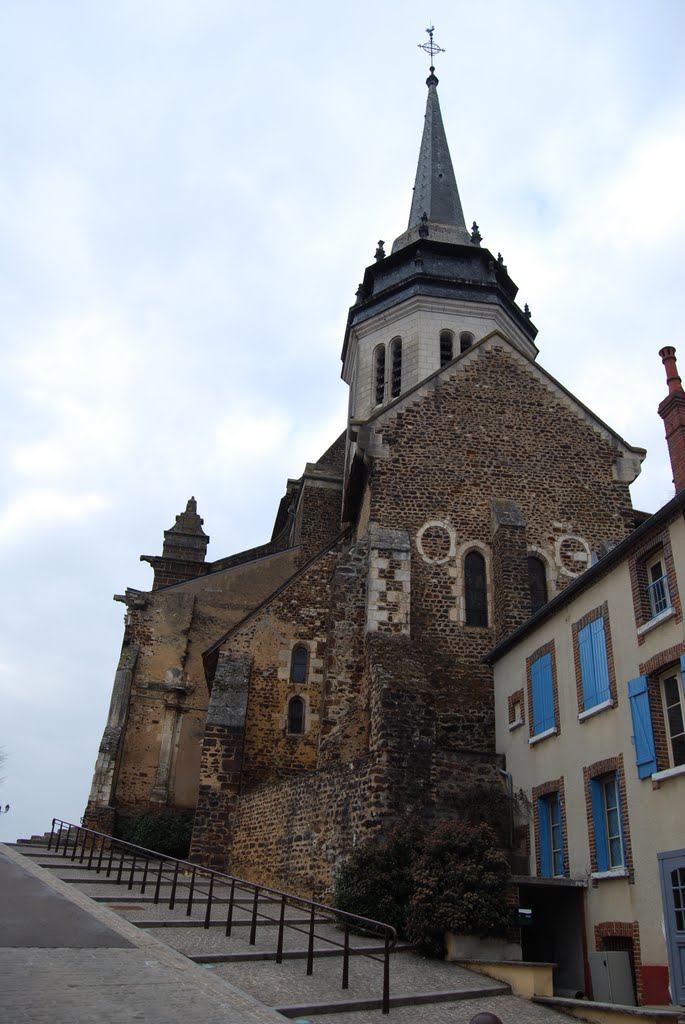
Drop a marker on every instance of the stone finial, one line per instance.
(500, 258)
(380, 251)
(526, 311)
(476, 236)
(423, 225)
(191, 506)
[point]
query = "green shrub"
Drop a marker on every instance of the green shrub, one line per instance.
(424, 882)
(460, 883)
(376, 879)
(166, 832)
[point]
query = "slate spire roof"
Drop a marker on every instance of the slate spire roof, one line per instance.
(435, 190)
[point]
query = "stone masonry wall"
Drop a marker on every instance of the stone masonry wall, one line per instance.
(293, 833)
(344, 725)
(156, 760)
(318, 515)
(222, 759)
(296, 616)
(510, 582)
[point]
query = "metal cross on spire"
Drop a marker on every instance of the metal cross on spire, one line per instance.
(431, 47)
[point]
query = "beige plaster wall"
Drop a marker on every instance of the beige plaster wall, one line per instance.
(656, 812)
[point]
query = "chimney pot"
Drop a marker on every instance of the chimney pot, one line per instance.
(672, 379)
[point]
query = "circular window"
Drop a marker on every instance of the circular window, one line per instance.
(572, 555)
(435, 542)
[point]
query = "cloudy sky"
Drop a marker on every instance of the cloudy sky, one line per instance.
(189, 192)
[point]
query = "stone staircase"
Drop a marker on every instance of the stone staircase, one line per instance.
(420, 989)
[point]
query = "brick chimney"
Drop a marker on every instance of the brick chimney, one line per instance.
(672, 412)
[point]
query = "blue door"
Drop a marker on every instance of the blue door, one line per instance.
(672, 871)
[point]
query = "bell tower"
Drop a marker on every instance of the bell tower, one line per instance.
(436, 293)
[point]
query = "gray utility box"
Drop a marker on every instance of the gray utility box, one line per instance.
(612, 978)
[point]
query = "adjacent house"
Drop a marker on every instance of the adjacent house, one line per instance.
(590, 712)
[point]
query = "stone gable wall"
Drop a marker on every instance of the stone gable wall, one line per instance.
(155, 761)
(298, 615)
(317, 521)
(490, 430)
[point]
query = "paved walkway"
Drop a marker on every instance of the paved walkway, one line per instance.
(67, 960)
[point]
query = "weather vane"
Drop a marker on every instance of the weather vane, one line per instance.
(431, 47)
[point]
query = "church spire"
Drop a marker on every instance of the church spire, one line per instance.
(436, 205)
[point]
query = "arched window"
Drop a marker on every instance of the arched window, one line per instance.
(446, 347)
(475, 589)
(298, 664)
(379, 373)
(537, 581)
(296, 716)
(396, 379)
(465, 340)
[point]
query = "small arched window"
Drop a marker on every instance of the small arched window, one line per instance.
(396, 378)
(446, 347)
(537, 581)
(379, 373)
(298, 664)
(476, 591)
(465, 340)
(296, 716)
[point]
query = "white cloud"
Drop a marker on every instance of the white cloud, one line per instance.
(45, 508)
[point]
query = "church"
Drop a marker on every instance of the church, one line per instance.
(297, 695)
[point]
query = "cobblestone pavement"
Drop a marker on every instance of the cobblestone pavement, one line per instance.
(510, 1010)
(291, 986)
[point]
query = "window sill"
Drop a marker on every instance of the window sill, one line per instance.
(515, 725)
(667, 613)
(542, 736)
(599, 876)
(669, 773)
(595, 710)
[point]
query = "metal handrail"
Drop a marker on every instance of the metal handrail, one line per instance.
(68, 836)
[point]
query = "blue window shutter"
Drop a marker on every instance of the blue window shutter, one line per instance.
(682, 665)
(587, 668)
(536, 687)
(643, 736)
(545, 839)
(599, 657)
(547, 691)
(597, 796)
(543, 696)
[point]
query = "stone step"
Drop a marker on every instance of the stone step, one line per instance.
(293, 954)
(246, 923)
(415, 999)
